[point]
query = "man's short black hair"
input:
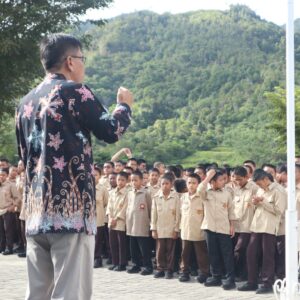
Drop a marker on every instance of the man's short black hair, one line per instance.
(175, 170)
(55, 47)
(240, 171)
(133, 159)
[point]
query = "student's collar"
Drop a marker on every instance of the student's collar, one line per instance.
(122, 190)
(161, 194)
(271, 186)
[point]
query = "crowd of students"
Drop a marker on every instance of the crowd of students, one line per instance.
(219, 224)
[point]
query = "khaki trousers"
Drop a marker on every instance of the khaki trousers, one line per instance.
(60, 266)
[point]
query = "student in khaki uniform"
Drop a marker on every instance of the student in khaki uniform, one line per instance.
(270, 205)
(280, 236)
(218, 224)
(12, 175)
(101, 203)
(192, 237)
(116, 211)
(138, 225)
(165, 216)
(244, 212)
(153, 184)
(9, 203)
(108, 168)
(112, 179)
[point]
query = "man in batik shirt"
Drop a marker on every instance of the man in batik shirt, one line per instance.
(54, 123)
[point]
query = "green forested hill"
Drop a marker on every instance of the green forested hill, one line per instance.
(199, 81)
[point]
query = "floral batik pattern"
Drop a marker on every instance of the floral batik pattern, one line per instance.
(54, 123)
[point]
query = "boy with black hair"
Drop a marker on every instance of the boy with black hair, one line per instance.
(269, 202)
(10, 200)
(119, 166)
(153, 184)
(191, 235)
(165, 216)
(160, 166)
(142, 165)
(218, 224)
(132, 163)
(201, 171)
(116, 211)
(244, 211)
(145, 178)
(108, 168)
(281, 175)
(271, 169)
(138, 225)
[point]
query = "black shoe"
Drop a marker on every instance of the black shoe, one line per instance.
(23, 254)
(169, 275)
(184, 277)
(8, 252)
(19, 250)
(228, 284)
(112, 268)
(194, 273)
(247, 287)
(97, 263)
(264, 290)
(201, 278)
(134, 270)
(213, 281)
(120, 268)
(146, 272)
(109, 262)
(159, 274)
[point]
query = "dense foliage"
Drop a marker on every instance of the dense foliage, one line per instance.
(199, 80)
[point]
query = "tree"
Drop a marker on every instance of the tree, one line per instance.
(22, 24)
(278, 116)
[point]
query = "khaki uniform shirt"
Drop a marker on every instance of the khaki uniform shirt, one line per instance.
(243, 207)
(104, 180)
(153, 189)
(192, 213)
(9, 195)
(281, 229)
(218, 209)
(116, 208)
(101, 203)
(138, 213)
(165, 214)
(268, 213)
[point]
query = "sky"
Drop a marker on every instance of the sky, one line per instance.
(271, 10)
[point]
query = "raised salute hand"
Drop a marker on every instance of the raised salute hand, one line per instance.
(124, 96)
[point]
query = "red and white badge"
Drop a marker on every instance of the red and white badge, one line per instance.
(142, 206)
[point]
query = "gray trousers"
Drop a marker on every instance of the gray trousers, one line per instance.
(60, 266)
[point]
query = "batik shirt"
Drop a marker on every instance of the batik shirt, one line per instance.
(54, 123)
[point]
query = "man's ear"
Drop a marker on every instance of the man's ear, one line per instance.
(68, 63)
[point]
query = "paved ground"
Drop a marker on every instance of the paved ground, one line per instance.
(114, 285)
